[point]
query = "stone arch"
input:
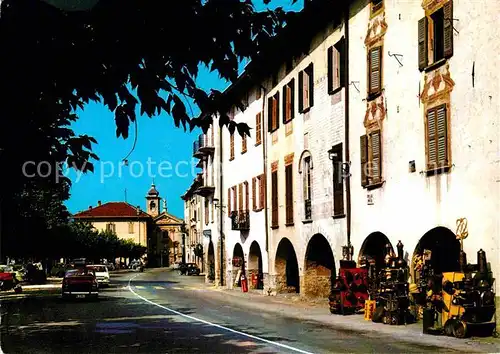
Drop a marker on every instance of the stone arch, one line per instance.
(375, 246)
(286, 268)
(445, 248)
(238, 253)
(255, 264)
(305, 153)
(211, 261)
(319, 267)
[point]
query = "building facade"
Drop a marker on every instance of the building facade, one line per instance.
(244, 187)
(377, 124)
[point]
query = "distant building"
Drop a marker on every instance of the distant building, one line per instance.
(157, 230)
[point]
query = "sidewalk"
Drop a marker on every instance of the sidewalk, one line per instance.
(292, 306)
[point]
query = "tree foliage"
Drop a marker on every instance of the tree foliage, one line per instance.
(132, 56)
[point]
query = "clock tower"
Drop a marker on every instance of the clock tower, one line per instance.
(153, 201)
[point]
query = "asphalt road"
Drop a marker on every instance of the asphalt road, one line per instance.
(163, 312)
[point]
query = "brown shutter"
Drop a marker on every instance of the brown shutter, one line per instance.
(277, 109)
(247, 196)
(261, 191)
(336, 68)
(301, 91)
(289, 193)
(254, 194)
(363, 143)
(422, 43)
(431, 140)
(341, 48)
(442, 136)
(274, 198)
(231, 147)
(310, 74)
(270, 114)
(235, 197)
(448, 29)
(376, 160)
(375, 70)
(240, 196)
(229, 210)
(305, 89)
(330, 69)
(258, 129)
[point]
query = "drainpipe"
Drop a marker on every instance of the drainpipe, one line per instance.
(346, 123)
(221, 216)
(264, 155)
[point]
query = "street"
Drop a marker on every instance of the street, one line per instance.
(164, 312)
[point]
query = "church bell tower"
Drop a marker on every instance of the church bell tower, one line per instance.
(153, 201)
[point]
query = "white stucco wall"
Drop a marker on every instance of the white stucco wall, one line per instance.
(410, 204)
(316, 131)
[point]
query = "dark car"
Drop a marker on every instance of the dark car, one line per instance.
(192, 269)
(80, 283)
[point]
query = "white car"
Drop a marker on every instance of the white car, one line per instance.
(101, 274)
(177, 265)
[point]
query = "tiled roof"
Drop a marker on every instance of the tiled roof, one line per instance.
(112, 210)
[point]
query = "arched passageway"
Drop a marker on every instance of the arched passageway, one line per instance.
(211, 262)
(376, 246)
(444, 251)
(319, 267)
(255, 265)
(238, 269)
(286, 268)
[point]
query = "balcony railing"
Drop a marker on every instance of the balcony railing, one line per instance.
(205, 189)
(203, 145)
(244, 219)
(307, 209)
(240, 220)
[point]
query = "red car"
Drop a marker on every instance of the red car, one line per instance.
(80, 283)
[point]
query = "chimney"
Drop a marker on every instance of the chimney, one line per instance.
(99, 203)
(90, 207)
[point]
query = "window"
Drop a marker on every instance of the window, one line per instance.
(111, 227)
(258, 129)
(273, 112)
(240, 197)
(435, 39)
(307, 188)
(306, 85)
(207, 216)
(437, 138)
(371, 159)
(262, 194)
(376, 5)
(247, 196)
(336, 66)
(288, 101)
(130, 227)
(338, 181)
(274, 199)
(374, 71)
(234, 198)
(231, 147)
(244, 143)
(289, 193)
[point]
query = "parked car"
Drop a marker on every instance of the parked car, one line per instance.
(60, 269)
(7, 278)
(189, 269)
(80, 283)
(101, 274)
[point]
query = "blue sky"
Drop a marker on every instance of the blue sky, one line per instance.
(158, 140)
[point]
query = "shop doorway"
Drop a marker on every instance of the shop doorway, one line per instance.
(238, 264)
(375, 247)
(319, 267)
(255, 266)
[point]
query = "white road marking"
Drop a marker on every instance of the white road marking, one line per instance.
(214, 324)
(159, 287)
(139, 287)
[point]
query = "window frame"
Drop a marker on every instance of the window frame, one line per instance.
(131, 227)
(437, 167)
(274, 112)
(231, 146)
(288, 101)
(306, 83)
(243, 144)
(375, 92)
(274, 199)
(336, 67)
(258, 129)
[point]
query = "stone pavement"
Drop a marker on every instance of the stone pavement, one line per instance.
(291, 305)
